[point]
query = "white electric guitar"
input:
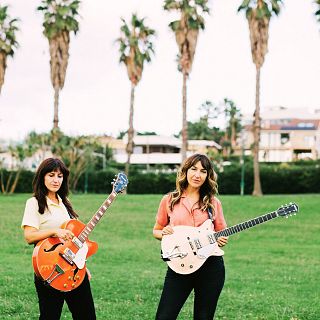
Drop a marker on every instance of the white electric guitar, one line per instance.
(187, 248)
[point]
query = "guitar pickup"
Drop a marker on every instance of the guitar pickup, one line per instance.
(197, 243)
(77, 242)
(68, 255)
(211, 238)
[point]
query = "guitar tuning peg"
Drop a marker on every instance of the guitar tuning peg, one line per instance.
(112, 182)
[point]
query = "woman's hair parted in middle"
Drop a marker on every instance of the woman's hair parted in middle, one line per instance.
(209, 188)
(41, 191)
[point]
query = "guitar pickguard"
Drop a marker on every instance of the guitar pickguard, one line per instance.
(80, 258)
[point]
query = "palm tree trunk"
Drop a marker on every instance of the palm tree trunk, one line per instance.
(256, 139)
(3, 66)
(233, 137)
(56, 107)
(129, 148)
(184, 131)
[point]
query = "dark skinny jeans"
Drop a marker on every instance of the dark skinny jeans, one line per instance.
(79, 301)
(207, 283)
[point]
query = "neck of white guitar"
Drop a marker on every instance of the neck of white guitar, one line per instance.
(246, 225)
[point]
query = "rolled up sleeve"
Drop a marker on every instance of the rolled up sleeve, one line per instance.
(219, 221)
(162, 217)
(31, 215)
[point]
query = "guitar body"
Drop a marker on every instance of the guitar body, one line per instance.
(182, 250)
(52, 263)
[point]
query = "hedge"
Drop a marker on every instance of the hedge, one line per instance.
(275, 179)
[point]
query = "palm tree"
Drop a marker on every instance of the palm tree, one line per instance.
(186, 31)
(258, 14)
(59, 20)
(233, 117)
(317, 13)
(8, 42)
(136, 47)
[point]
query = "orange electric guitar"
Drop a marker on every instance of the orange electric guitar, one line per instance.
(62, 264)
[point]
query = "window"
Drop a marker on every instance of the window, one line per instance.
(285, 137)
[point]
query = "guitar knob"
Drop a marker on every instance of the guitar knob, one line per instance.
(64, 285)
(73, 285)
(69, 278)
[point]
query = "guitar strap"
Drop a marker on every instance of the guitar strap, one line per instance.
(210, 214)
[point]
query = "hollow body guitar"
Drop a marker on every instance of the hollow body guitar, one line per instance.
(186, 250)
(62, 264)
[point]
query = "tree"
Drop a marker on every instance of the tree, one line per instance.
(59, 20)
(18, 153)
(78, 153)
(200, 130)
(203, 129)
(8, 42)
(233, 117)
(209, 111)
(258, 14)
(136, 47)
(317, 13)
(186, 31)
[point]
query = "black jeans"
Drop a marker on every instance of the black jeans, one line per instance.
(207, 283)
(79, 301)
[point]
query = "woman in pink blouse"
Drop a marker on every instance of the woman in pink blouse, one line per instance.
(191, 204)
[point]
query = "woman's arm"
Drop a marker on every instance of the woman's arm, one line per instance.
(33, 235)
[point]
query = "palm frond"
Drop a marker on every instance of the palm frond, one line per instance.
(135, 46)
(59, 17)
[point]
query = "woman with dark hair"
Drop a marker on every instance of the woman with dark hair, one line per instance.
(44, 214)
(191, 204)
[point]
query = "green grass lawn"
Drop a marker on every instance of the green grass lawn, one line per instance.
(272, 269)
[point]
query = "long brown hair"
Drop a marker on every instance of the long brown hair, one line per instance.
(40, 190)
(207, 191)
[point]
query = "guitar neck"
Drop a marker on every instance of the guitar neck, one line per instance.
(96, 218)
(246, 225)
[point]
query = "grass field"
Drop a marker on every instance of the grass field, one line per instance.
(272, 269)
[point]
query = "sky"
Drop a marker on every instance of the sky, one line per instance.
(96, 95)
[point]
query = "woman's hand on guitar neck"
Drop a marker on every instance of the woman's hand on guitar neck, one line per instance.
(222, 241)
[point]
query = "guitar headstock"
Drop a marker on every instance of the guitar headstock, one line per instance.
(119, 183)
(288, 210)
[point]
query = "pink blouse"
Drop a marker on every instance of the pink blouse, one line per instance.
(182, 214)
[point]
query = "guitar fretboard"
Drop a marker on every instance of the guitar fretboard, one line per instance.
(246, 225)
(96, 218)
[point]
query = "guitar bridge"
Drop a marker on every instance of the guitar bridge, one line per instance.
(175, 253)
(57, 269)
